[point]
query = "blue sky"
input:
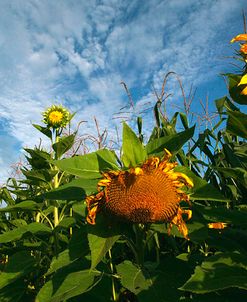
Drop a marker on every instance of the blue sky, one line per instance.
(76, 53)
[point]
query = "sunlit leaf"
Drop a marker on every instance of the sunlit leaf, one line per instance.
(77, 189)
(133, 151)
(173, 142)
(90, 165)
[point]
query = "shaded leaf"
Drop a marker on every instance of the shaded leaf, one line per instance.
(133, 277)
(237, 123)
(46, 131)
(61, 287)
(18, 265)
(63, 145)
(23, 205)
(16, 234)
(220, 271)
(202, 190)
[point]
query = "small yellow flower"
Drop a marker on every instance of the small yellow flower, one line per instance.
(56, 116)
(241, 37)
(146, 194)
(217, 225)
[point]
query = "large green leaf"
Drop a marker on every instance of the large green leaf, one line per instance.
(18, 265)
(235, 90)
(27, 205)
(16, 234)
(102, 236)
(44, 175)
(46, 131)
(61, 287)
(225, 103)
(7, 294)
(90, 165)
(77, 189)
(236, 217)
(77, 248)
(133, 277)
(218, 272)
(238, 174)
(155, 284)
(173, 142)
(133, 151)
(237, 123)
(202, 190)
(63, 145)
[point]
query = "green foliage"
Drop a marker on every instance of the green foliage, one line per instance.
(49, 252)
(133, 151)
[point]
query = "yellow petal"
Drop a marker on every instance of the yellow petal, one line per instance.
(217, 225)
(241, 37)
(244, 91)
(243, 80)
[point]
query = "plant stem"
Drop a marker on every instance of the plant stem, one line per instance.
(140, 244)
(56, 185)
(114, 295)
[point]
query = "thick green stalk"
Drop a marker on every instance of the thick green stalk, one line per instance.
(114, 295)
(140, 243)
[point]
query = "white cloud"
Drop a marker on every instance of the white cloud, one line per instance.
(77, 53)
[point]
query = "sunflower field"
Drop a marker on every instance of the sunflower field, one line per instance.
(162, 219)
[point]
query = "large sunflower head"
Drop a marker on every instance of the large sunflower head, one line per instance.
(146, 194)
(56, 116)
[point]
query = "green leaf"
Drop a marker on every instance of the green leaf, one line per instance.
(238, 174)
(173, 142)
(202, 190)
(235, 90)
(77, 248)
(46, 131)
(16, 234)
(63, 145)
(39, 158)
(133, 151)
(90, 165)
(44, 175)
(18, 265)
(237, 123)
(236, 217)
(61, 287)
(225, 103)
(7, 294)
(27, 205)
(99, 246)
(102, 236)
(218, 272)
(133, 277)
(77, 189)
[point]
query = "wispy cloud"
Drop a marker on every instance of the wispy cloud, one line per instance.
(77, 53)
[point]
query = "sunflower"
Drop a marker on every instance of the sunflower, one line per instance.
(243, 49)
(146, 194)
(56, 116)
(241, 37)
